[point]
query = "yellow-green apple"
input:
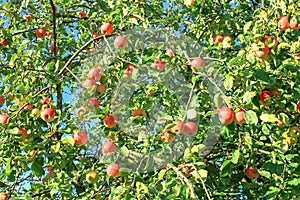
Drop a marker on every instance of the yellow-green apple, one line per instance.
(2, 100)
(283, 23)
(108, 147)
(120, 42)
(239, 117)
(139, 112)
(226, 115)
(40, 33)
(4, 118)
(80, 138)
(48, 115)
(113, 170)
(109, 121)
(251, 172)
(91, 177)
(23, 132)
(106, 28)
(227, 39)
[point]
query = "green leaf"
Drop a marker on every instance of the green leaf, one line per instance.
(124, 151)
(228, 82)
(248, 96)
(247, 26)
(251, 117)
(225, 168)
(68, 140)
(235, 156)
(268, 118)
(8, 166)
(141, 187)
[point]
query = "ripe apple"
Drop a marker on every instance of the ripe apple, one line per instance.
(197, 62)
(95, 74)
(51, 49)
(2, 100)
(166, 137)
(80, 138)
(113, 170)
(218, 39)
(265, 94)
(89, 83)
(120, 42)
(272, 38)
(189, 3)
(48, 115)
(178, 128)
(169, 53)
(4, 119)
(82, 14)
(106, 28)
(40, 33)
(28, 18)
(261, 52)
(108, 147)
(94, 101)
(101, 88)
(28, 107)
(226, 115)
(239, 117)
(294, 26)
(139, 112)
(109, 121)
(45, 100)
(23, 132)
(298, 106)
(3, 196)
(35, 111)
(158, 64)
(283, 23)
(95, 34)
(91, 177)
(3, 42)
(251, 173)
(190, 128)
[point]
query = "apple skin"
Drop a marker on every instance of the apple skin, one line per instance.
(190, 128)
(35, 111)
(89, 83)
(4, 118)
(169, 53)
(28, 18)
(218, 39)
(189, 3)
(51, 49)
(94, 101)
(109, 121)
(91, 177)
(2, 100)
(95, 74)
(273, 37)
(264, 95)
(23, 132)
(197, 62)
(294, 26)
(3, 196)
(80, 138)
(166, 137)
(48, 115)
(3, 42)
(251, 173)
(101, 88)
(262, 52)
(113, 170)
(45, 100)
(106, 28)
(40, 33)
(226, 115)
(108, 147)
(298, 106)
(158, 64)
(120, 42)
(283, 23)
(178, 128)
(239, 117)
(129, 70)
(139, 112)
(82, 14)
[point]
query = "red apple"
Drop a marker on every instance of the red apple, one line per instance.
(190, 128)
(158, 64)
(169, 53)
(271, 38)
(28, 107)
(239, 117)
(108, 147)
(251, 173)
(3, 196)
(106, 28)
(48, 115)
(178, 128)
(298, 106)
(218, 39)
(226, 115)
(262, 52)
(101, 88)
(139, 112)
(89, 83)
(51, 49)
(80, 138)
(2, 100)
(40, 33)
(166, 137)
(3, 42)
(94, 101)
(4, 119)
(91, 177)
(45, 100)
(95, 74)
(82, 14)
(113, 170)
(283, 23)
(197, 62)
(120, 42)
(265, 94)
(23, 132)
(294, 26)
(27, 18)
(109, 121)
